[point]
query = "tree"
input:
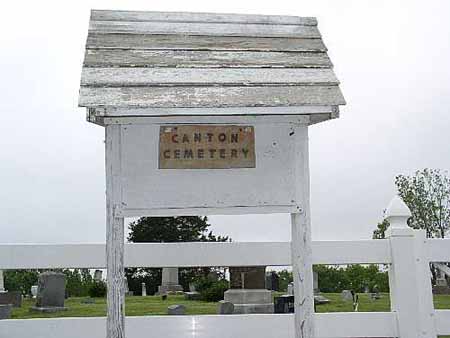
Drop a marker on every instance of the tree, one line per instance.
(168, 229)
(427, 195)
(380, 232)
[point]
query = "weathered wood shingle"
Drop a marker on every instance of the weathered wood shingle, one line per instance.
(205, 60)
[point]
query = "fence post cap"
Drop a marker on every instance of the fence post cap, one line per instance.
(397, 208)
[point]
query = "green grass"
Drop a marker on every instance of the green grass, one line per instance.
(154, 305)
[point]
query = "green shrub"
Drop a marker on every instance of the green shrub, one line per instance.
(210, 290)
(98, 289)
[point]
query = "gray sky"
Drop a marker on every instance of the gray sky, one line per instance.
(392, 58)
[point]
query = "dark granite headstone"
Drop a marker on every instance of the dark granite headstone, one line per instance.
(176, 310)
(249, 277)
(5, 311)
(284, 304)
(225, 308)
(272, 281)
(51, 292)
(11, 297)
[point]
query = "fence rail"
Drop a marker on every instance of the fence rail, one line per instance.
(406, 251)
(34, 256)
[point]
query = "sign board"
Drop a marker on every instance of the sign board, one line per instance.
(206, 147)
(262, 177)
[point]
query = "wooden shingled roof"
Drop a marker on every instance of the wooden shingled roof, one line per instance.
(156, 60)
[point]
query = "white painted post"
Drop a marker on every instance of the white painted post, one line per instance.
(406, 278)
(301, 248)
(426, 305)
(115, 326)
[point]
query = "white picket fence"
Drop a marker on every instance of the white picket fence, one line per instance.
(407, 252)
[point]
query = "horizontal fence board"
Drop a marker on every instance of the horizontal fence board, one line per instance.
(351, 252)
(189, 58)
(114, 15)
(328, 325)
(442, 322)
(210, 96)
(438, 249)
(34, 256)
(118, 77)
(203, 28)
(178, 42)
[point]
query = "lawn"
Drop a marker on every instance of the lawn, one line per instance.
(154, 305)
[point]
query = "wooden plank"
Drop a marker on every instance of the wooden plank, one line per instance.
(202, 28)
(54, 256)
(189, 58)
(328, 325)
(115, 323)
(268, 184)
(180, 42)
(204, 119)
(199, 113)
(301, 242)
(123, 77)
(442, 322)
(159, 97)
(438, 249)
(114, 15)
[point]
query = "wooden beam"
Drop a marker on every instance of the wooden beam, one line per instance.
(114, 15)
(218, 43)
(204, 28)
(179, 97)
(123, 77)
(200, 58)
(115, 326)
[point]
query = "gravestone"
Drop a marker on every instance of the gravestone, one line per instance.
(34, 291)
(347, 296)
(192, 295)
(272, 281)
(144, 290)
(284, 304)
(51, 292)
(11, 297)
(225, 308)
(5, 311)
(176, 310)
(2, 282)
(169, 281)
(290, 289)
(248, 293)
(316, 282)
(98, 275)
(127, 289)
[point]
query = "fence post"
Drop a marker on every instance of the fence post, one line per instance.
(405, 279)
(426, 306)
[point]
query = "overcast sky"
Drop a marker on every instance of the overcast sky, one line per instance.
(392, 59)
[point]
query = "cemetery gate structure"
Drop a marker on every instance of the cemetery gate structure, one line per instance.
(208, 114)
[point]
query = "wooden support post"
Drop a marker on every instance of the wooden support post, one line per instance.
(301, 248)
(115, 327)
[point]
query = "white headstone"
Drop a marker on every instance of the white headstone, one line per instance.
(34, 291)
(347, 296)
(98, 275)
(169, 281)
(144, 290)
(290, 289)
(2, 283)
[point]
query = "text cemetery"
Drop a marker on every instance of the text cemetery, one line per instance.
(206, 147)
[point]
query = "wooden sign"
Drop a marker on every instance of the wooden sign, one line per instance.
(206, 147)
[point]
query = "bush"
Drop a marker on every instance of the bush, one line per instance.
(98, 289)
(210, 290)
